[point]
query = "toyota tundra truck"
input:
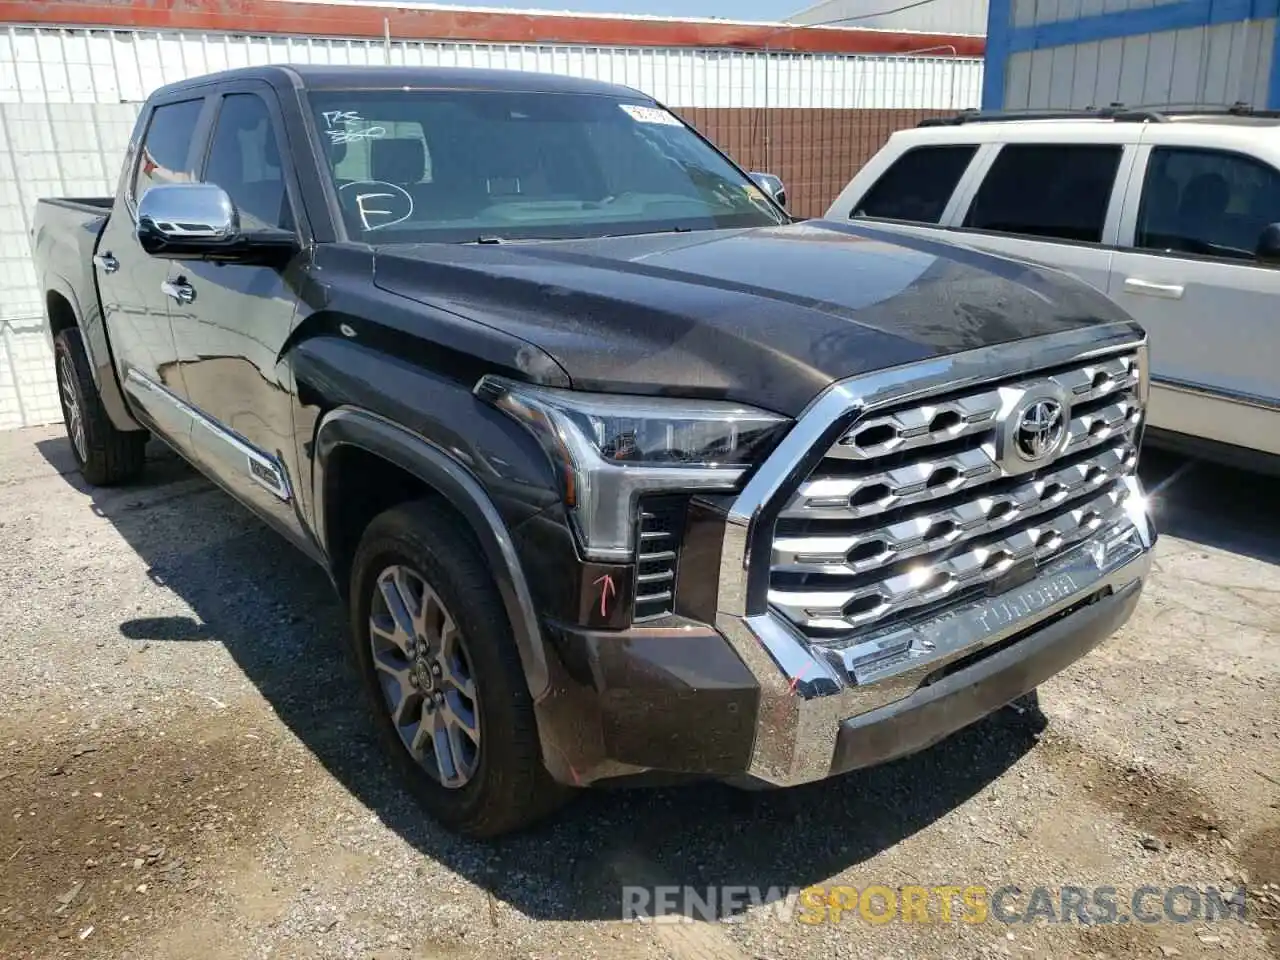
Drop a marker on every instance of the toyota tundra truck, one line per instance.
(622, 474)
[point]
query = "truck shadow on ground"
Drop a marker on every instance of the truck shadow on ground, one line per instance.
(1212, 505)
(278, 618)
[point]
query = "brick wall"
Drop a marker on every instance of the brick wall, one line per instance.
(815, 151)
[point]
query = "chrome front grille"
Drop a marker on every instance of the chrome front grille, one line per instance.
(922, 503)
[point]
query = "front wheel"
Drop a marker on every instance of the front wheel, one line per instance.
(441, 668)
(105, 455)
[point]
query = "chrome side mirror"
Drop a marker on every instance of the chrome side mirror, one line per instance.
(187, 220)
(771, 185)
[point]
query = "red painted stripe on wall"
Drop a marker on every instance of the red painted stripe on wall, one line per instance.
(407, 23)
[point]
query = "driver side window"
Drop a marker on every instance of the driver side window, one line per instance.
(1206, 202)
(244, 160)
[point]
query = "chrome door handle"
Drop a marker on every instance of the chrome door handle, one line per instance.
(180, 290)
(106, 262)
(1170, 291)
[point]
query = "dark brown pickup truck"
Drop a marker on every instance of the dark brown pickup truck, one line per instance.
(621, 473)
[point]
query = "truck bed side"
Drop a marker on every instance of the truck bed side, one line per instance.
(63, 242)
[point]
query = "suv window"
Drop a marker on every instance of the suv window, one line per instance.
(1206, 202)
(244, 160)
(1057, 190)
(917, 185)
(166, 147)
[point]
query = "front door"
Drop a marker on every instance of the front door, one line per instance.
(232, 329)
(132, 284)
(1209, 308)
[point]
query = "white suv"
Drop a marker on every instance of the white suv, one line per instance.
(1175, 216)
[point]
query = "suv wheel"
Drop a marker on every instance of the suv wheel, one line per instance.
(105, 455)
(441, 669)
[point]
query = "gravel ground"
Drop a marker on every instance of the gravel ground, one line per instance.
(185, 771)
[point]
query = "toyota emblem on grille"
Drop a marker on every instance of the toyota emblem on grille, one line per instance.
(1033, 427)
(1040, 429)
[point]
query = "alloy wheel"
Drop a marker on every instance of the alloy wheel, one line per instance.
(71, 406)
(426, 675)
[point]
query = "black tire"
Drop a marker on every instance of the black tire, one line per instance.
(510, 787)
(106, 456)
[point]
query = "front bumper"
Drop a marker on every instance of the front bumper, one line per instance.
(751, 702)
(959, 698)
(822, 712)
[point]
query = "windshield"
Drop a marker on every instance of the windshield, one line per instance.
(467, 166)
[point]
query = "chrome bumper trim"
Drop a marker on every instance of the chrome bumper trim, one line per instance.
(806, 691)
(807, 688)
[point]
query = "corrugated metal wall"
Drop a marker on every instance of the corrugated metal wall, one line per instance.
(1080, 53)
(953, 16)
(100, 66)
(1222, 63)
(46, 149)
(64, 127)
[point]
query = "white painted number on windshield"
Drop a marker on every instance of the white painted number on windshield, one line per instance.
(342, 126)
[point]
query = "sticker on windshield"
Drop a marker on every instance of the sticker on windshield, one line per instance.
(649, 115)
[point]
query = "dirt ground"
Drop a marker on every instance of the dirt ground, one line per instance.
(185, 770)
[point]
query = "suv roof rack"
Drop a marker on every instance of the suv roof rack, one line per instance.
(1118, 112)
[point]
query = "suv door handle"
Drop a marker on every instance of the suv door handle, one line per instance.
(1170, 291)
(179, 289)
(106, 262)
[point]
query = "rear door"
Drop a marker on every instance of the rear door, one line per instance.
(1055, 203)
(131, 283)
(232, 330)
(1187, 272)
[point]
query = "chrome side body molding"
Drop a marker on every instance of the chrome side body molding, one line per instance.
(198, 435)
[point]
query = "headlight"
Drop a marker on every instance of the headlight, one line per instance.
(609, 449)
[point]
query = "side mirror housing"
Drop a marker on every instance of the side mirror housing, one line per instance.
(771, 185)
(198, 221)
(1268, 249)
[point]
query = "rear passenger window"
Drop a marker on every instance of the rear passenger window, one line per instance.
(917, 185)
(1047, 190)
(165, 156)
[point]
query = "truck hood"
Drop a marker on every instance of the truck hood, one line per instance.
(768, 316)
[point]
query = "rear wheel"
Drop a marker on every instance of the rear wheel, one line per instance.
(105, 455)
(442, 671)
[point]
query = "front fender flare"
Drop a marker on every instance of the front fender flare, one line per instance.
(448, 477)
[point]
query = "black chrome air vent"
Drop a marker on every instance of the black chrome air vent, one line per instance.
(658, 532)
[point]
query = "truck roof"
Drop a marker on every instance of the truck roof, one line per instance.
(328, 76)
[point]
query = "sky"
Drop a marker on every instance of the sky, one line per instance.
(729, 9)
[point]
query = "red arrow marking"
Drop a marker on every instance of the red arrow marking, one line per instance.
(606, 591)
(791, 687)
